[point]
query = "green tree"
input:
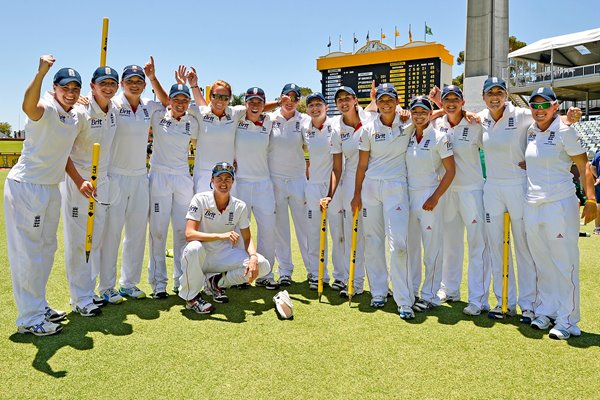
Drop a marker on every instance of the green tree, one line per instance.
(5, 128)
(237, 100)
(515, 44)
(458, 80)
(460, 60)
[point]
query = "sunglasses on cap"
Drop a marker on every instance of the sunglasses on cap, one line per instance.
(222, 97)
(223, 167)
(541, 106)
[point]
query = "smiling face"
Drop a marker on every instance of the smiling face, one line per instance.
(133, 86)
(179, 105)
(387, 104)
(222, 183)
(290, 107)
(453, 104)
(255, 107)
(345, 102)
(219, 98)
(543, 116)
(67, 95)
(316, 109)
(420, 116)
(495, 99)
(105, 89)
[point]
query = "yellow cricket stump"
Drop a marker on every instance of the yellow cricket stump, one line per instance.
(352, 257)
(322, 243)
(104, 44)
(505, 256)
(207, 94)
(89, 231)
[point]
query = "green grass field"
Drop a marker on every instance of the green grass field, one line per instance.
(155, 349)
(10, 146)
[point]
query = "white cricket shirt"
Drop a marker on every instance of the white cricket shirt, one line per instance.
(252, 149)
(47, 145)
(504, 144)
(549, 163)
(286, 156)
(128, 155)
(424, 158)
(171, 142)
(318, 140)
(387, 147)
(216, 136)
(466, 141)
(97, 127)
(204, 209)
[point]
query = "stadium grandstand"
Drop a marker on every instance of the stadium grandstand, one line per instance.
(570, 64)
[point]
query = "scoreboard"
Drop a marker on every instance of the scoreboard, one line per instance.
(414, 69)
(411, 78)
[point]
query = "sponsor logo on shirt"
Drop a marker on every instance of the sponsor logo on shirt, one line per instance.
(297, 126)
(156, 207)
(75, 212)
(448, 145)
(62, 118)
(488, 219)
(165, 122)
(124, 113)
(112, 119)
(209, 214)
(243, 125)
(311, 134)
(193, 209)
(276, 124)
(530, 137)
(444, 129)
(95, 123)
(379, 137)
(345, 136)
(146, 113)
(188, 128)
(487, 123)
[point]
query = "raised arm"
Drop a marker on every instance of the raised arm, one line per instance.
(192, 78)
(150, 72)
(31, 101)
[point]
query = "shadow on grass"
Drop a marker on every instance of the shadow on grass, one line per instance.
(76, 330)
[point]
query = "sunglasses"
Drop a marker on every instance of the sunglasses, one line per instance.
(293, 98)
(222, 97)
(541, 106)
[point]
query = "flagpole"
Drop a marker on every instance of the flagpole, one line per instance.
(340, 44)
(395, 36)
(425, 35)
(353, 41)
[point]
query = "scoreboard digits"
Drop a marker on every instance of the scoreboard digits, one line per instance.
(411, 78)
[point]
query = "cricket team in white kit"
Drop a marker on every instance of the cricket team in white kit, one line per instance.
(414, 179)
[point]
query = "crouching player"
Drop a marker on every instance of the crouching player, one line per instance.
(211, 259)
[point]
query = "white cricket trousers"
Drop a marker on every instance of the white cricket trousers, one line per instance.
(81, 275)
(196, 263)
(129, 198)
(426, 228)
(347, 193)
(385, 213)
(314, 193)
(260, 200)
(170, 197)
(552, 233)
(289, 192)
(31, 214)
(496, 200)
(464, 209)
(202, 179)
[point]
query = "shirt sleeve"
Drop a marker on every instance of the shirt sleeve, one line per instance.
(238, 112)
(444, 146)
(364, 142)
(195, 210)
(336, 142)
(244, 216)
(571, 142)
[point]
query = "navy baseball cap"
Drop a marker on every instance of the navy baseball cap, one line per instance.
(346, 89)
(291, 87)
(452, 89)
(103, 73)
(133, 70)
(65, 76)
(179, 88)
(544, 92)
(420, 101)
(255, 93)
(386, 88)
(316, 95)
(223, 168)
(493, 82)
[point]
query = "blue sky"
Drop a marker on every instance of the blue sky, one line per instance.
(264, 43)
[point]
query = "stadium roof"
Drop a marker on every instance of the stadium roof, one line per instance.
(574, 49)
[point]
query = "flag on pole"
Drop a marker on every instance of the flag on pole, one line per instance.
(382, 35)
(340, 43)
(367, 36)
(409, 34)
(396, 34)
(329, 44)
(354, 41)
(428, 30)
